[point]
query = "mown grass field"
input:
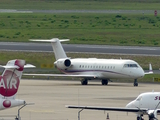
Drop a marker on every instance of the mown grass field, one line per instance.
(116, 29)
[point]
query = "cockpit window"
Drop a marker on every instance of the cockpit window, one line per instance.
(139, 98)
(130, 65)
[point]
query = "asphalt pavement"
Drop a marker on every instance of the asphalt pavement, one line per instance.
(79, 48)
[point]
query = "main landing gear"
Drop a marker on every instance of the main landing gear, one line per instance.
(135, 82)
(84, 82)
(104, 82)
(140, 117)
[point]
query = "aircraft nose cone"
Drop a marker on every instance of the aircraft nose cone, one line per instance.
(140, 73)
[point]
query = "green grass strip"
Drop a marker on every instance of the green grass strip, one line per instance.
(115, 29)
(81, 4)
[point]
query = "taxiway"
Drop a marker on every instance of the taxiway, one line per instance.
(50, 98)
(79, 48)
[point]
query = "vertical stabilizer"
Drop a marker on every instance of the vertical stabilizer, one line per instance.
(57, 47)
(10, 78)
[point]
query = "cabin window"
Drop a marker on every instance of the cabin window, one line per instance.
(80, 66)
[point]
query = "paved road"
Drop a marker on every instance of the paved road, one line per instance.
(41, 47)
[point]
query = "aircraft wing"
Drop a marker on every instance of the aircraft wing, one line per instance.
(150, 72)
(108, 108)
(62, 75)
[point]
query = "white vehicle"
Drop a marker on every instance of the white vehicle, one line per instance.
(93, 68)
(145, 104)
(9, 83)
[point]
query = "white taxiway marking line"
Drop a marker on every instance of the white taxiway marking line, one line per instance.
(118, 47)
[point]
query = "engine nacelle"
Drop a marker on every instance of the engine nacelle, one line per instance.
(63, 63)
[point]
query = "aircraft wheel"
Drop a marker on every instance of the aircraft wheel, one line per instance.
(135, 83)
(104, 82)
(140, 118)
(84, 82)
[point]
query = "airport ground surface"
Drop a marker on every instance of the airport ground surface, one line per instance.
(50, 98)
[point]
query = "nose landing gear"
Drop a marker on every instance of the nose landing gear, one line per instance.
(135, 83)
(140, 117)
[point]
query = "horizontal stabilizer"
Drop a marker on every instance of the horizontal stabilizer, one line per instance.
(56, 45)
(29, 66)
(62, 75)
(51, 40)
(16, 67)
(10, 66)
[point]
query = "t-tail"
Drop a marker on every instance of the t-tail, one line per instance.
(56, 45)
(9, 83)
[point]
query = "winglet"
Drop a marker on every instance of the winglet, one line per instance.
(150, 69)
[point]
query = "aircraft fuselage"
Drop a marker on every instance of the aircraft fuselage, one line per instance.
(101, 68)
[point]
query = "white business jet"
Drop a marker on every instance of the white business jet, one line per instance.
(93, 68)
(145, 104)
(9, 83)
